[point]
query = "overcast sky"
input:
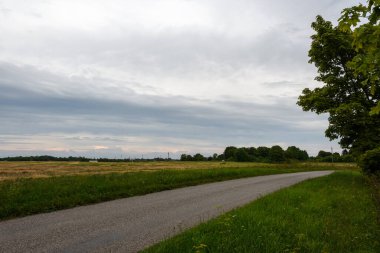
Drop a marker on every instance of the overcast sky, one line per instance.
(121, 78)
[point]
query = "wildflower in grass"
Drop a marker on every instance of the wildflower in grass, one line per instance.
(200, 248)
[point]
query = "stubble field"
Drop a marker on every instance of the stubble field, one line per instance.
(18, 170)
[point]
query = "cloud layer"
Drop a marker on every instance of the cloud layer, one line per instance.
(117, 78)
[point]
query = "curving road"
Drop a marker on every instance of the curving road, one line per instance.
(131, 224)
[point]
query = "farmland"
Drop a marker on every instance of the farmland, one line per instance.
(18, 170)
(304, 218)
(35, 187)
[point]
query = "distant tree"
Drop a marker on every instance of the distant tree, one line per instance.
(295, 153)
(199, 157)
(241, 155)
(183, 157)
(252, 152)
(347, 158)
(276, 154)
(229, 153)
(221, 157)
(262, 152)
(322, 154)
(303, 156)
(336, 156)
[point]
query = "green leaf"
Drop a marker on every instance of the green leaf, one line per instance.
(375, 110)
(373, 89)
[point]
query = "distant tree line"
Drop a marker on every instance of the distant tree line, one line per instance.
(77, 159)
(46, 158)
(274, 154)
(324, 156)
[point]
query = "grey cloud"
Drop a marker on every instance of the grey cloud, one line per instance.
(30, 78)
(222, 122)
(26, 97)
(176, 52)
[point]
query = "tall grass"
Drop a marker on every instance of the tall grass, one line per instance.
(329, 214)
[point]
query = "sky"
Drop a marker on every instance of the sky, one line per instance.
(132, 78)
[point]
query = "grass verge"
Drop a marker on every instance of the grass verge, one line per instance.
(374, 182)
(30, 196)
(335, 213)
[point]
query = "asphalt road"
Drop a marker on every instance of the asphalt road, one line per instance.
(131, 224)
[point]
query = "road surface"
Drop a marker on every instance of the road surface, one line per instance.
(131, 224)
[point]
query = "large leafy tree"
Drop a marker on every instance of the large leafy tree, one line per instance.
(347, 59)
(366, 42)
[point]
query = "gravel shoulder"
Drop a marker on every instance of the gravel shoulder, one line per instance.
(131, 224)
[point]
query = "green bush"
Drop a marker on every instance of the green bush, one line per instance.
(370, 161)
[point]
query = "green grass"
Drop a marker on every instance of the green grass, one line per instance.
(329, 214)
(30, 196)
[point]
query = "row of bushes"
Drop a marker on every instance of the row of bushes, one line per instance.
(272, 154)
(264, 154)
(324, 156)
(369, 161)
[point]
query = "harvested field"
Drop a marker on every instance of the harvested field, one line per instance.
(16, 170)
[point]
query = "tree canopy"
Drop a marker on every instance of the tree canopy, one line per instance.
(366, 39)
(347, 58)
